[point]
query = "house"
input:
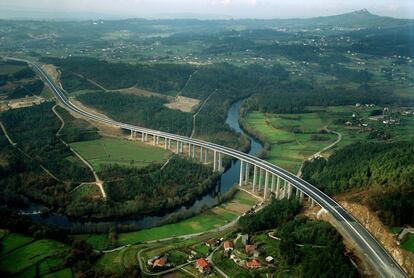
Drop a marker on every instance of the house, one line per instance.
(253, 263)
(212, 243)
(203, 266)
(269, 259)
(151, 261)
(348, 123)
(250, 249)
(228, 246)
(159, 262)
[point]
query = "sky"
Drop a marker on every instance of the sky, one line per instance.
(200, 8)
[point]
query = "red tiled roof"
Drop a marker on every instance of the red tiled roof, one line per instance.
(253, 263)
(228, 244)
(160, 262)
(250, 248)
(203, 263)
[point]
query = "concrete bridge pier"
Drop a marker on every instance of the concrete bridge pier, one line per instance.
(220, 162)
(169, 144)
(165, 143)
(142, 137)
(266, 184)
(254, 178)
(260, 179)
(214, 161)
(189, 150)
(201, 154)
(146, 137)
(158, 140)
(247, 173)
(241, 173)
(277, 187)
(206, 155)
(154, 140)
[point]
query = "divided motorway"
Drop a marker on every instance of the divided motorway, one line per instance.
(376, 255)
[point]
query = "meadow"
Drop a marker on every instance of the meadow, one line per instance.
(123, 152)
(295, 137)
(22, 255)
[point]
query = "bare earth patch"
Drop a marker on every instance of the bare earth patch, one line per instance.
(52, 71)
(184, 104)
(20, 103)
(105, 129)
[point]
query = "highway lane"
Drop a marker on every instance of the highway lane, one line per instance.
(377, 256)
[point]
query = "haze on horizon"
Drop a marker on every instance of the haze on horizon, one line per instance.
(76, 9)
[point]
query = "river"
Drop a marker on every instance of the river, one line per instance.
(227, 180)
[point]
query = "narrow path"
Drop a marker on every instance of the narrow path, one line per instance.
(339, 139)
(93, 82)
(210, 259)
(198, 111)
(186, 83)
(98, 181)
(25, 154)
(7, 135)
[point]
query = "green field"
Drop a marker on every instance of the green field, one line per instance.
(97, 241)
(124, 152)
(47, 254)
(408, 244)
(216, 217)
(295, 137)
(292, 138)
(86, 190)
(13, 241)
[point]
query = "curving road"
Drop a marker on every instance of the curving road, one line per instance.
(376, 255)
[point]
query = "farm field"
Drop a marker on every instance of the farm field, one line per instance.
(295, 137)
(24, 254)
(213, 218)
(124, 152)
(292, 137)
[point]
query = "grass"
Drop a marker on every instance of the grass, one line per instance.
(29, 255)
(408, 243)
(87, 190)
(216, 217)
(291, 137)
(10, 69)
(202, 249)
(96, 241)
(124, 152)
(111, 261)
(395, 230)
(13, 241)
(295, 137)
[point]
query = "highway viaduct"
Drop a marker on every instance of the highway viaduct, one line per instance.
(266, 177)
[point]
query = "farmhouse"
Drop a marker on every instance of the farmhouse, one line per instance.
(228, 246)
(203, 266)
(253, 263)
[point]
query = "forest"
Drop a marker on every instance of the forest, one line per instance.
(133, 191)
(386, 167)
(322, 253)
(161, 78)
(294, 98)
(299, 235)
(141, 111)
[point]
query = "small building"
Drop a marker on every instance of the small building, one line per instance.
(250, 249)
(253, 264)
(270, 259)
(203, 266)
(228, 246)
(159, 263)
(348, 123)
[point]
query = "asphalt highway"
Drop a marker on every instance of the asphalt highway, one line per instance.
(376, 255)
